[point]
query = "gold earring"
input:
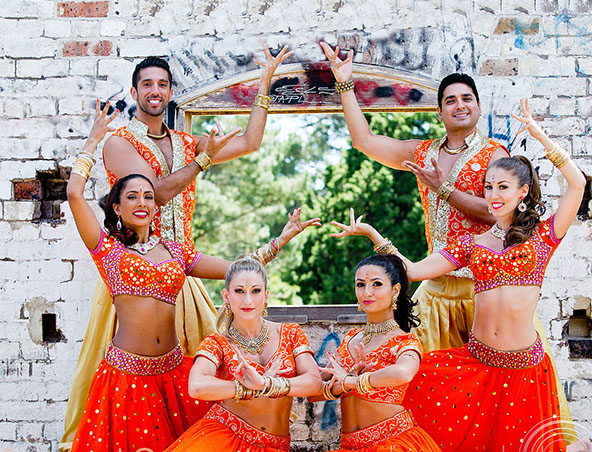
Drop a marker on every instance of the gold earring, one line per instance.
(394, 302)
(227, 310)
(264, 313)
(359, 307)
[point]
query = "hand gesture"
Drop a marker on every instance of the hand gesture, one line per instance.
(531, 125)
(249, 377)
(334, 368)
(294, 226)
(430, 178)
(359, 366)
(100, 127)
(215, 143)
(270, 65)
(356, 227)
(274, 371)
(342, 69)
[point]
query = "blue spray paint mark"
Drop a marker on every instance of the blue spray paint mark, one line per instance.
(519, 42)
(329, 418)
(331, 337)
(499, 136)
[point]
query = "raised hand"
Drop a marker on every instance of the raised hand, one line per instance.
(100, 127)
(342, 69)
(430, 178)
(359, 366)
(294, 227)
(334, 368)
(271, 63)
(249, 377)
(215, 143)
(355, 227)
(530, 124)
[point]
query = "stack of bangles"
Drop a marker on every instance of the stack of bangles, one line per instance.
(263, 101)
(385, 247)
(203, 160)
(558, 156)
(83, 165)
(342, 87)
(267, 252)
(275, 387)
(445, 190)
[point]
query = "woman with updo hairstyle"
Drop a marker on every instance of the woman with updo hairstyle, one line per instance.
(138, 399)
(252, 368)
(498, 392)
(373, 366)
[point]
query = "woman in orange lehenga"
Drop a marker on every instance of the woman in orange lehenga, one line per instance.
(498, 392)
(253, 367)
(376, 364)
(138, 398)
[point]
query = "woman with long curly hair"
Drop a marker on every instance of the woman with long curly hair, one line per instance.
(373, 366)
(138, 399)
(498, 392)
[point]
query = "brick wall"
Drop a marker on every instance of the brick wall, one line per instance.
(58, 57)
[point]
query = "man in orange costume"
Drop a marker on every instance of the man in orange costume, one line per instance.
(450, 175)
(168, 158)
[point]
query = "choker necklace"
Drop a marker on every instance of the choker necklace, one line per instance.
(455, 151)
(252, 345)
(143, 248)
(376, 329)
(158, 137)
(498, 232)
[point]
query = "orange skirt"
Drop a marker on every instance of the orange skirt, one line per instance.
(396, 434)
(138, 403)
(222, 431)
(476, 398)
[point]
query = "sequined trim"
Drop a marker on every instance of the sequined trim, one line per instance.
(245, 431)
(399, 423)
(171, 214)
(506, 359)
(302, 349)
(206, 354)
(143, 365)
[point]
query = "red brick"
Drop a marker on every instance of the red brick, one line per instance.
(83, 9)
(76, 48)
(27, 189)
(102, 48)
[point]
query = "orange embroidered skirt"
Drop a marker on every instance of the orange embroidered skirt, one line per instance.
(222, 431)
(396, 434)
(137, 403)
(476, 398)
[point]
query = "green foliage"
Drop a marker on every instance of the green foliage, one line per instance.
(308, 161)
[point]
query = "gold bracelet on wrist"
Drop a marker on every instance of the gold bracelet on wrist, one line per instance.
(343, 382)
(341, 87)
(363, 385)
(263, 101)
(385, 247)
(267, 252)
(88, 154)
(445, 190)
(557, 155)
(203, 160)
(327, 394)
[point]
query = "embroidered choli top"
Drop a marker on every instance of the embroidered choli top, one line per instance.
(444, 223)
(173, 220)
(383, 356)
(522, 264)
(218, 349)
(127, 273)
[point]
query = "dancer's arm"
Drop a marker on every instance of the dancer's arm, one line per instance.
(121, 158)
(250, 141)
(431, 267)
(576, 182)
(388, 151)
(86, 221)
(204, 385)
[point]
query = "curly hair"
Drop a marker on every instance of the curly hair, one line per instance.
(524, 222)
(125, 235)
(397, 273)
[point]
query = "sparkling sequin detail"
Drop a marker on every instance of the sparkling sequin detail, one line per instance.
(522, 264)
(130, 274)
(245, 431)
(383, 356)
(443, 222)
(399, 423)
(508, 360)
(143, 365)
(173, 220)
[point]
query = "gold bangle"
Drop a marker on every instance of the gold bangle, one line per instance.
(85, 175)
(557, 155)
(341, 87)
(343, 382)
(445, 190)
(263, 101)
(385, 247)
(92, 156)
(267, 252)
(203, 160)
(327, 394)
(363, 385)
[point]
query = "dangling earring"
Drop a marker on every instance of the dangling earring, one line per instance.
(264, 313)
(394, 302)
(118, 225)
(489, 210)
(522, 206)
(152, 227)
(359, 307)
(227, 310)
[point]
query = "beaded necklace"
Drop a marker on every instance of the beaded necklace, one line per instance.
(143, 248)
(376, 329)
(498, 232)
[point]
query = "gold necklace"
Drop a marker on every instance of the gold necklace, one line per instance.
(498, 232)
(376, 329)
(158, 137)
(455, 151)
(252, 345)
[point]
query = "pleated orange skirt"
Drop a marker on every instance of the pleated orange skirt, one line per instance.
(222, 431)
(138, 403)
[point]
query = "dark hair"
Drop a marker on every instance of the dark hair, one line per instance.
(150, 62)
(245, 264)
(397, 273)
(456, 78)
(524, 222)
(125, 235)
